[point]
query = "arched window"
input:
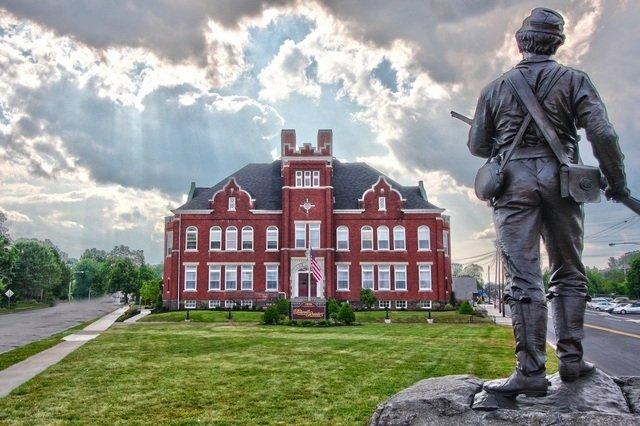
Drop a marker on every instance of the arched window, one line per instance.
(231, 238)
(383, 238)
(192, 238)
(342, 238)
(247, 238)
(398, 238)
(424, 238)
(272, 238)
(366, 238)
(215, 238)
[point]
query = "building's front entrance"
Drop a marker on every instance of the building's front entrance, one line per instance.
(303, 285)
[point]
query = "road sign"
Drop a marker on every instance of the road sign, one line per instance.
(9, 293)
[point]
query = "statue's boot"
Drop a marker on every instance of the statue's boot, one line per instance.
(529, 320)
(568, 322)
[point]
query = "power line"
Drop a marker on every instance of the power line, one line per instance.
(474, 257)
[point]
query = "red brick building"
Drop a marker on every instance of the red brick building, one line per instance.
(243, 241)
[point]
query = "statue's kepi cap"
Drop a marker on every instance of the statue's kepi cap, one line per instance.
(544, 20)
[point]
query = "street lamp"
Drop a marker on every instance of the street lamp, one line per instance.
(624, 242)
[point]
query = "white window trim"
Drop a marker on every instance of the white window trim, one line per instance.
(189, 268)
(299, 180)
(168, 240)
(338, 229)
(403, 302)
(342, 267)
(445, 242)
(315, 179)
(243, 269)
(384, 304)
(232, 204)
(193, 304)
(235, 268)
(430, 289)
(226, 238)
(373, 276)
(219, 229)
(362, 230)
(314, 224)
(211, 268)
(307, 174)
(246, 229)
(229, 304)
(277, 237)
(382, 228)
(214, 304)
(188, 231)
(422, 305)
(404, 238)
(428, 239)
(395, 270)
(295, 236)
(275, 266)
(386, 268)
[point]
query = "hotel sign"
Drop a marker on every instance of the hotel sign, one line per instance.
(307, 311)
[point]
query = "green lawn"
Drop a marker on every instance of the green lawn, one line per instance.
(21, 306)
(361, 316)
(16, 355)
(211, 373)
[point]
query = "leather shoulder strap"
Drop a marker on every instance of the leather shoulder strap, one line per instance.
(530, 103)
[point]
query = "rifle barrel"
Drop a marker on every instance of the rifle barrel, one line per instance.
(461, 117)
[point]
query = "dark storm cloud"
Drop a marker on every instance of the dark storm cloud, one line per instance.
(162, 146)
(173, 29)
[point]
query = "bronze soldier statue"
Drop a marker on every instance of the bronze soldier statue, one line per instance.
(532, 203)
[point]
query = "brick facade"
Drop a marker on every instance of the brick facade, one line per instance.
(313, 190)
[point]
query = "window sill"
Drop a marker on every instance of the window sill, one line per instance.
(215, 250)
(247, 289)
(343, 250)
(383, 289)
(425, 291)
(191, 251)
(189, 291)
(218, 290)
(397, 249)
(343, 290)
(272, 250)
(274, 290)
(424, 250)
(403, 290)
(231, 250)
(383, 249)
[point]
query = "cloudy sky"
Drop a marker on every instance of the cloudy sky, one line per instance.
(110, 108)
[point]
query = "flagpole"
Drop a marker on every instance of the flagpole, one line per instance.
(309, 267)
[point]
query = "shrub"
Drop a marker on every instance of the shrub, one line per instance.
(346, 314)
(332, 308)
(307, 323)
(448, 307)
(271, 316)
(465, 308)
(367, 297)
(282, 305)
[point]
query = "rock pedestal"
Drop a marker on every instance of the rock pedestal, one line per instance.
(453, 400)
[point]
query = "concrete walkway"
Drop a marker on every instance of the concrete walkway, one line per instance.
(143, 313)
(496, 315)
(22, 372)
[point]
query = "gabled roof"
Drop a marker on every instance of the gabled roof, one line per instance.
(264, 183)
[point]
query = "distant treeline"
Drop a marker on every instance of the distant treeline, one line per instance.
(39, 270)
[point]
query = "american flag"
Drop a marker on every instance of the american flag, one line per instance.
(315, 267)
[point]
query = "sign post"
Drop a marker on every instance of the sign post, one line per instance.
(8, 293)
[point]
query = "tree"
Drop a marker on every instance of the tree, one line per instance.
(346, 314)
(456, 269)
(595, 281)
(633, 278)
(124, 252)
(95, 254)
(123, 277)
(466, 308)
(150, 290)
(4, 231)
(474, 271)
(37, 272)
(367, 298)
(89, 274)
(7, 259)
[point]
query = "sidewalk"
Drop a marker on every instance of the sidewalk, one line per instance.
(143, 313)
(497, 316)
(22, 372)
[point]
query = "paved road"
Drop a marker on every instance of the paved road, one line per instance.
(24, 327)
(611, 341)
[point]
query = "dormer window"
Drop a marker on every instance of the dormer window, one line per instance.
(232, 204)
(382, 203)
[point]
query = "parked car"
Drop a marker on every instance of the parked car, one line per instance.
(602, 306)
(621, 299)
(597, 300)
(627, 308)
